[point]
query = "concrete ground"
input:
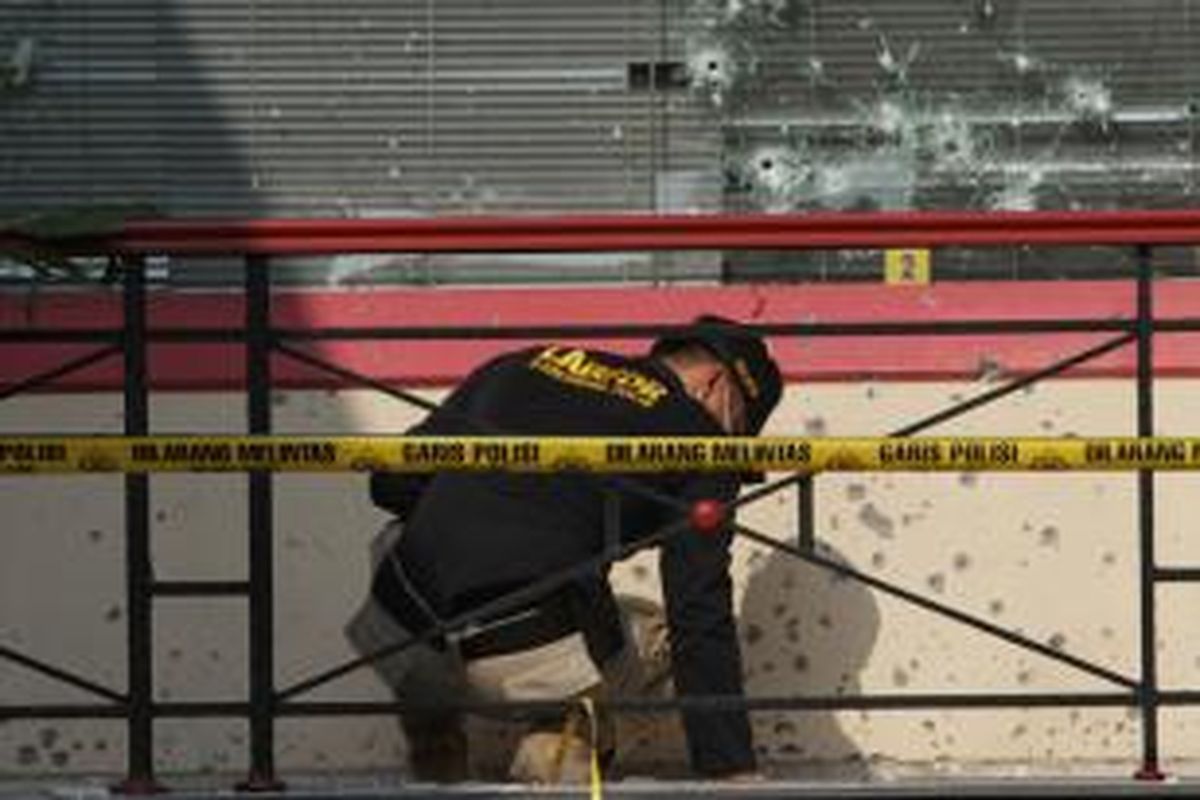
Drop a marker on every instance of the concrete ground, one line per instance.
(328, 788)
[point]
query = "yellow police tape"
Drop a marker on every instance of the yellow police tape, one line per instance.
(67, 454)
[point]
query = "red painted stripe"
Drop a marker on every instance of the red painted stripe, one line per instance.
(209, 367)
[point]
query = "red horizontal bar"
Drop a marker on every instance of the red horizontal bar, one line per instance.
(632, 232)
(804, 359)
(563, 243)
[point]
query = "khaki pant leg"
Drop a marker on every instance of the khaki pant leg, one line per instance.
(643, 667)
(420, 674)
(642, 671)
(557, 750)
(552, 750)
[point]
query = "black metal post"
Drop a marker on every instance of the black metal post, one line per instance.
(261, 533)
(1148, 697)
(139, 775)
(806, 514)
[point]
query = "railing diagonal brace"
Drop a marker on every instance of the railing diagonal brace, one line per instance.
(54, 373)
(61, 675)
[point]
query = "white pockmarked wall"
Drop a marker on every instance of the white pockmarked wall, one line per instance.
(1052, 556)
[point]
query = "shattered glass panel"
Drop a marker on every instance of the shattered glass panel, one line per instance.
(949, 104)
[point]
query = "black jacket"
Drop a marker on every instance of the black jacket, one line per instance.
(473, 536)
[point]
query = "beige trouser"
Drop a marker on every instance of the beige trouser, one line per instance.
(560, 670)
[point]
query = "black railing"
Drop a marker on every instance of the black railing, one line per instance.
(267, 702)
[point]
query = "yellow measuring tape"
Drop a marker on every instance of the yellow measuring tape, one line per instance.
(596, 775)
(587, 709)
(67, 454)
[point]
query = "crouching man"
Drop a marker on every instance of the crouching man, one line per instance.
(464, 540)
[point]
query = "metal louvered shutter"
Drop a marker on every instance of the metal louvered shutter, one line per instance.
(236, 107)
(359, 108)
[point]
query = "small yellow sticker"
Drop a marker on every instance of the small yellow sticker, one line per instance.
(906, 267)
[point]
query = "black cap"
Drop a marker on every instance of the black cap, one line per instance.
(744, 354)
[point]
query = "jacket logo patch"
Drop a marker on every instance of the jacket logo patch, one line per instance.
(577, 367)
(747, 379)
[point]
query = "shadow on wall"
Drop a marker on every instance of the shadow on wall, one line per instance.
(805, 632)
(114, 105)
